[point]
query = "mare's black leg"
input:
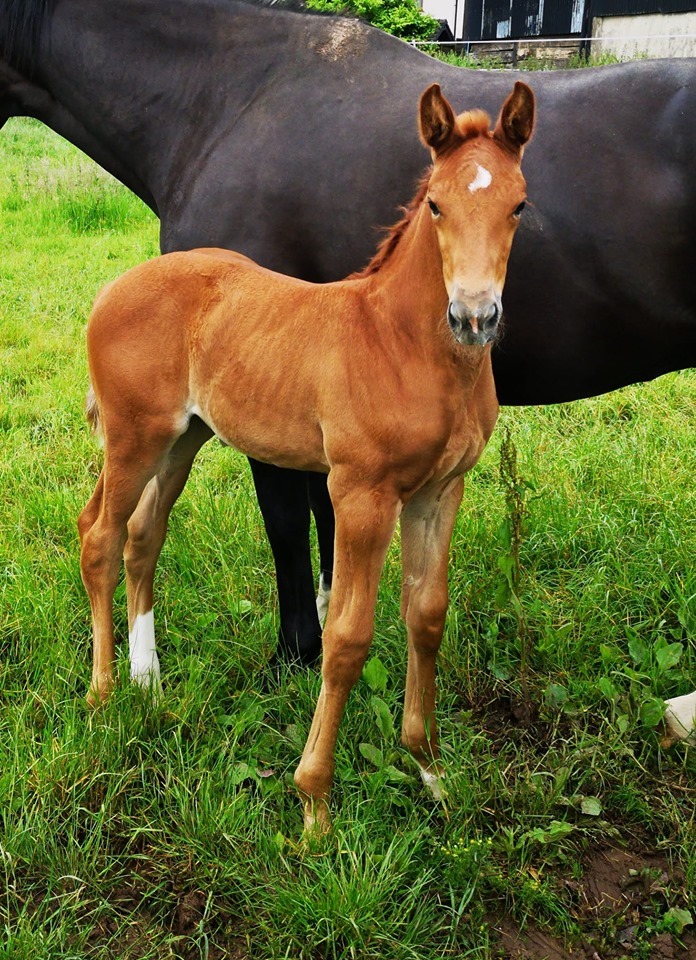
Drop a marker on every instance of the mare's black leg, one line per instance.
(322, 508)
(282, 496)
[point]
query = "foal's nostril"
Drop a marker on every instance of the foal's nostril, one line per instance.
(456, 318)
(491, 317)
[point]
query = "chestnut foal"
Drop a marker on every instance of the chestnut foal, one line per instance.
(382, 380)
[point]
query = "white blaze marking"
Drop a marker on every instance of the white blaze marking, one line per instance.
(144, 664)
(482, 180)
(433, 782)
(323, 595)
(680, 717)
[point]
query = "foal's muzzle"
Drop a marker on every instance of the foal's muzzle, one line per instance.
(474, 324)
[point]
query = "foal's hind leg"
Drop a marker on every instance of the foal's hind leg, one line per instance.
(129, 464)
(147, 529)
(426, 531)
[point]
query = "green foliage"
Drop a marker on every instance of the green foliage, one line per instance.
(512, 530)
(403, 18)
(576, 61)
(385, 758)
(580, 60)
(637, 674)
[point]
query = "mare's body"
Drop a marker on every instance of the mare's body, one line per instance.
(195, 105)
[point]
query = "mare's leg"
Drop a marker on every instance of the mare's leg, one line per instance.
(128, 466)
(282, 496)
(320, 503)
(680, 719)
(147, 529)
(365, 521)
(426, 531)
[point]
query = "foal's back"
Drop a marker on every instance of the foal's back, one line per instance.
(217, 335)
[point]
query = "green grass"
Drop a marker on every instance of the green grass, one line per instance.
(576, 61)
(149, 832)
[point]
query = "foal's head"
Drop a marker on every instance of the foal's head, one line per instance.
(476, 196)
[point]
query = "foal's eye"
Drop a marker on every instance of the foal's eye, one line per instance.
(434, 209)
(518, 209)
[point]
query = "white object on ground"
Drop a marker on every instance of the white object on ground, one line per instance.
(680, 718)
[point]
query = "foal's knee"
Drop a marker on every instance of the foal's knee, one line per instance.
(425, 619)
(345, 653)
(137, 544)
(146, 529)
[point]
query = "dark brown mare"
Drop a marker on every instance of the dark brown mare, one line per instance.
(383, 381)
(179, 101)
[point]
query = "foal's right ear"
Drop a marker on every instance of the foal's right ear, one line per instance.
(437, 121)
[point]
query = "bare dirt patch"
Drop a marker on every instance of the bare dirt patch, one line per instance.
(617, 904)
(626, 888)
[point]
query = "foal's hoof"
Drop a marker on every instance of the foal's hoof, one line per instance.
(99, 692)
(434, 780)
(317, 819)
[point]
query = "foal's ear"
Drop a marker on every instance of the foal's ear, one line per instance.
(516, 120)
(436, 119)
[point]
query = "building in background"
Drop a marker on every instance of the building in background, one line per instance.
(626, 28)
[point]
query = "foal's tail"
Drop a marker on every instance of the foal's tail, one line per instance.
(92, 410)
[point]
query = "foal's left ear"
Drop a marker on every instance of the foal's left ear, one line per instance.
(516, 120)
(437, 121)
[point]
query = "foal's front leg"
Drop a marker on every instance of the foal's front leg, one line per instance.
(426, 532)
(365, 522)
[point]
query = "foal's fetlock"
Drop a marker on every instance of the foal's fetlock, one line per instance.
(313, 789)
(427, 759)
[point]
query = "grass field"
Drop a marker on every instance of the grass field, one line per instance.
(174, 831)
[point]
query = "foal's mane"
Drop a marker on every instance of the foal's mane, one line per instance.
(472, 124)
(390, 241)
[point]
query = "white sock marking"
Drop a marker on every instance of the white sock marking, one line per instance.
(680, 717)
(323, 596)
(433, 782)
(482, 180)
(144, 664)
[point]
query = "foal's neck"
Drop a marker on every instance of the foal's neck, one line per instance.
(410, 284)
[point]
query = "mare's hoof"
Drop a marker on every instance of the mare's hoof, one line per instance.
(283, 658)
(680, 720)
